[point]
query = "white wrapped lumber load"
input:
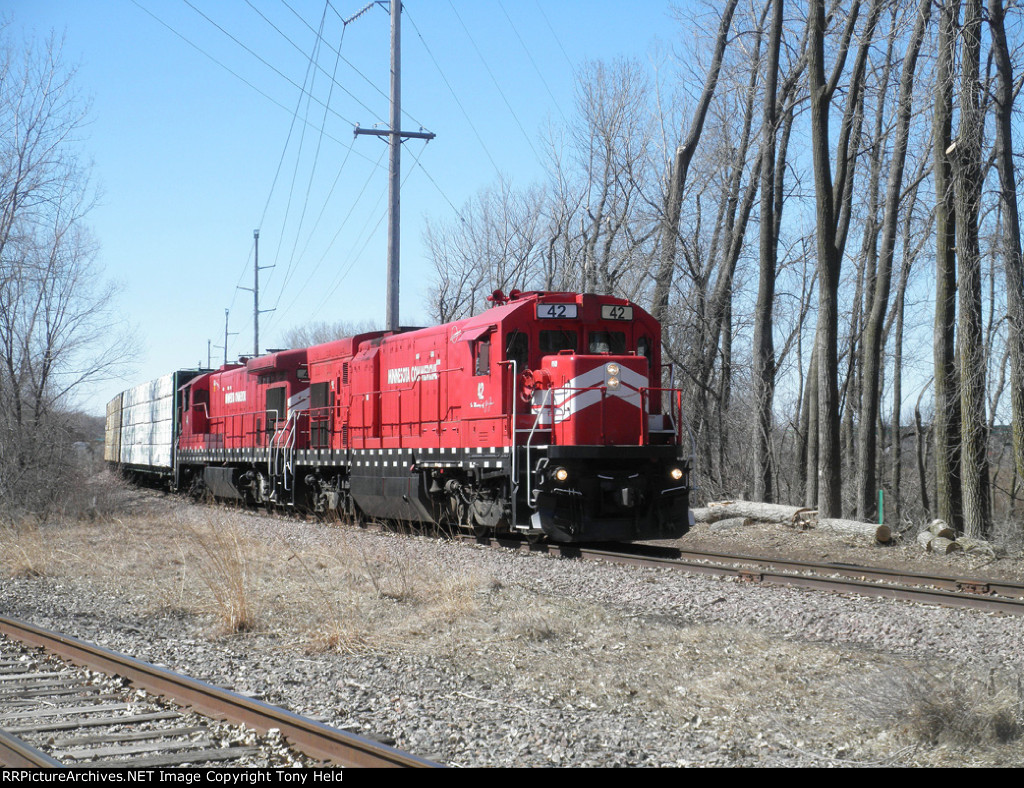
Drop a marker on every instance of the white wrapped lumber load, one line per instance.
(147, 424)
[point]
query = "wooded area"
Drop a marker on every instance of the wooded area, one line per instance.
(819, 202)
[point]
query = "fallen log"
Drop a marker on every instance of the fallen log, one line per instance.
(759, 512)
(880, 533)
(730, 523)
(941, 529)
(937, 544)
(944, 546)
(790, 515)
(969, 545)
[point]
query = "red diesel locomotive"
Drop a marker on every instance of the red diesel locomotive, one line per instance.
(543, 415)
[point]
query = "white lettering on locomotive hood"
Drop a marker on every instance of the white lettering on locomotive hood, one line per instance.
(400, 375)
(234, 396)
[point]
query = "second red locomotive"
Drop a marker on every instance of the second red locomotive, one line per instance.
(545, 415)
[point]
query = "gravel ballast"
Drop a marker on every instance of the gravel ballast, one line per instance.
(479, 657)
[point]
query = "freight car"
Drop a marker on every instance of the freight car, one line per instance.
(544, 415)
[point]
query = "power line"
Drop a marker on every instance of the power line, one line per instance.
(558, 41)
(533, 62)
(239, 77)
(337, 283)
(451, 90)
(345, 60)
(493, 79)
(312, 169)
(258, 57)
(320, 38)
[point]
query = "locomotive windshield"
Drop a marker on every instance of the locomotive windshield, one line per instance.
(608, 342)
(553, 342)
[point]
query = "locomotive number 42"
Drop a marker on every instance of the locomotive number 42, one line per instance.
(612, 312)
(556, 311)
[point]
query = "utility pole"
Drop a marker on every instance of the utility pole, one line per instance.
(209, 359)
(255, 289)
(226, 335)
(395, 137)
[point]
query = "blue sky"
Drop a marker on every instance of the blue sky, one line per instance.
(185, 153)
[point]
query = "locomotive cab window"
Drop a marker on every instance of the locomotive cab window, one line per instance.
(553, 342)
(275, 406)
(483, 357)
(643, 348)
(613, 342)
(517, 348)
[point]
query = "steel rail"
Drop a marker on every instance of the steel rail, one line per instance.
(313, 738)
(891, 590)
(16, 754)
(1003, 588)
(891, 584)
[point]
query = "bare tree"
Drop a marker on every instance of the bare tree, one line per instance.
(872, 346)
(1013, 265)
(968, 179)
(833, 199)
(55, 315)
(680, 167)
(947, 401)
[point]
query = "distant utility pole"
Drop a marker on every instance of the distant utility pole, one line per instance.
(226, 335)
(395, 137)
(255, 289)
(209, 358)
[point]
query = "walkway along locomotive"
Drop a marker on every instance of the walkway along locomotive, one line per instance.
(545, 415)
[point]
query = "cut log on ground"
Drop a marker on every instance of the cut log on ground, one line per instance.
(759, 512)
(732, 522)
(941, 529)
(880, 533)
(790, 515)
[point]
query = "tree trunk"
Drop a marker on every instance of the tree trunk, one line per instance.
(1012, 262)
(873, 329)
(969, 178)
(947, 398)
(680, 166)
(764, 347)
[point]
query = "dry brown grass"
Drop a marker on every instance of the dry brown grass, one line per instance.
(27, 550)
(227, 562)
(951, 709)
(320, 589)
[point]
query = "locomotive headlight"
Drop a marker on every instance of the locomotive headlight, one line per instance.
(560, 474)
(612, 370)
(676, 474)
(613, 383)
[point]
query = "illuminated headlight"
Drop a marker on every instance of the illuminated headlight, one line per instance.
(676, 473)
(612, 370)
(560, 474)
(613, 383)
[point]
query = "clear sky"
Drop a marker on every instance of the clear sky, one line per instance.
(190, 158)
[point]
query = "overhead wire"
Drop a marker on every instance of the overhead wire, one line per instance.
(313, 165)
(455, 96)
(318, 66)
(348, 62)
(494, 80)
(330, 245)
(341, 278)
(309, 186)
(533, 62)
(236, 75)
(257, 56)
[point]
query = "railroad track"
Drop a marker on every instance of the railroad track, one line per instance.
(53, 714)
(944, 590)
